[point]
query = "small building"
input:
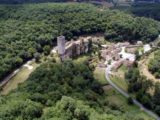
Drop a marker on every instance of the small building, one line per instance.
(104, 46)
(122, 44)
(95, 39)
(131, 50)
(101, 65)
(116, 57)
(127, 63)
(140, 43)
(118, 64)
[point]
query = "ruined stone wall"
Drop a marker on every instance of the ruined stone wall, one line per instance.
(71, 49)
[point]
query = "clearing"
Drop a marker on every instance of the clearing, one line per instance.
(20, 77)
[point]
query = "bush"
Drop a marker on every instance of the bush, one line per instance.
(130, 101)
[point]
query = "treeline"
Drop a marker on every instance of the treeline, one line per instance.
(66, 91)
(29, 1)
(154, 64)
(42, 1)
(142, 87)
(150, 10)
(26, 29)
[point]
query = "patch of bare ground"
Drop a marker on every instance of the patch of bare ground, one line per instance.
(107, 87)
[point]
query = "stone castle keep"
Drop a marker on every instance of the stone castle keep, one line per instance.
(72, 48)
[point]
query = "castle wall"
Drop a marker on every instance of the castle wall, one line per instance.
(71, 49)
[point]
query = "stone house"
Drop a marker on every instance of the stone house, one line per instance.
(140, 43)
(131, 50)
(101, 65)
(122, 44)
(127, 63)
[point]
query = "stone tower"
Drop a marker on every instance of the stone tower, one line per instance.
(61, 47)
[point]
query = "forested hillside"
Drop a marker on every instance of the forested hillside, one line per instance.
(28, 1)
(150, 10)
(26, 29)
(42, 1)
(66, 91)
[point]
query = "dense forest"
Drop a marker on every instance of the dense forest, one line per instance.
(43, 1)
(141, 86)
(28, 1)
(27, 29)
(150, 10)
(56, 91)
(154, 64)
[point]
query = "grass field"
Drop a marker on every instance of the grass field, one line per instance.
(99, 75)
(120, 82)
(20, 77)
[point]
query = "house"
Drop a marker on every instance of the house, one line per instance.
(131, 50)
(118, 64)
(122, 44)
(101, 65)
(127, 63)
(140, 43)
(95, 39)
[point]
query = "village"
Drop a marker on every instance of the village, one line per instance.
(121, 53)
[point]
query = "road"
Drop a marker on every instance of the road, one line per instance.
(15, 72)
(10, 75)
(108, 69)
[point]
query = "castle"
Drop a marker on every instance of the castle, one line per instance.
(72, 48)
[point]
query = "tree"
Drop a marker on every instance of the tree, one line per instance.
(99, 54)
(157, 109)
(121, 56)
(130, 100)
(31, 51)
(139, 95)
(37, 56)
(46, 49)
(18, 61)
(157, 94)
(90, 45)
(146, 101)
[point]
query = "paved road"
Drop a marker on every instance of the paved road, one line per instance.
(10, 75)
(108, 69)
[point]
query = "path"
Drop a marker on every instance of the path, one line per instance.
(108, 69)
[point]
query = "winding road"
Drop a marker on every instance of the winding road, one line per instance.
(108, 70)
